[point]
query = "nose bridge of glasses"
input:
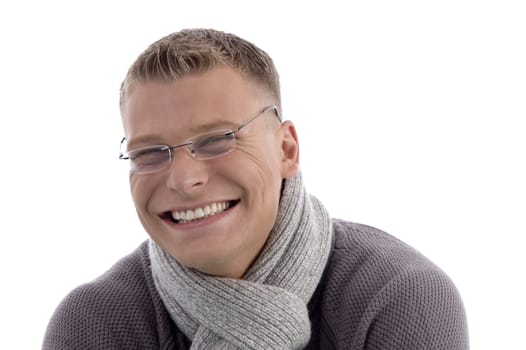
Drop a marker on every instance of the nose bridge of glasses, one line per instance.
(187, 146)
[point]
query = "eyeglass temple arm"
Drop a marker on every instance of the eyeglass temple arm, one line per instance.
(276, 111)
(273, 107)
(121, 153)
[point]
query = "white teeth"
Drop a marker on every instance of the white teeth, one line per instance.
(199, 213)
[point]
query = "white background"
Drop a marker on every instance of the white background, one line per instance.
(410, 116)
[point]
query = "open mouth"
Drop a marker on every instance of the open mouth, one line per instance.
(197, 214)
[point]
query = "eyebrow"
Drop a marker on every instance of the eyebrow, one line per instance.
(142, 141)
(150, 140)
(215, 125)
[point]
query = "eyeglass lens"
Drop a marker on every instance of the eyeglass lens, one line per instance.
(206, 146)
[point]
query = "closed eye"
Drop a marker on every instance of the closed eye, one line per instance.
(150, 155)
(212, 141)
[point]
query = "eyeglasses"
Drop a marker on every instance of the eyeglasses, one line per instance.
(210, 145)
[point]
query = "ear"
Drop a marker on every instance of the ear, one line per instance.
(290, 150)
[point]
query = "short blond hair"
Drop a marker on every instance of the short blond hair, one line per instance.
(199, 50)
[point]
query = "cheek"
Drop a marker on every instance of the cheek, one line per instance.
(141, 191)
(257, 170)
(262, 157)
(261, 176)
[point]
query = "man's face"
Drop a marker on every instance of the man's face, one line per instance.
(246, 180)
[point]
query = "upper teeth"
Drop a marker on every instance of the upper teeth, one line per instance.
(198, 213)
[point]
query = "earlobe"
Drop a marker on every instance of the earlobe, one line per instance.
(290, 152)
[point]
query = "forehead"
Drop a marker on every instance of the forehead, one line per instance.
(160, 110)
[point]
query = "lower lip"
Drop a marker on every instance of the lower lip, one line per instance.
(202, 222)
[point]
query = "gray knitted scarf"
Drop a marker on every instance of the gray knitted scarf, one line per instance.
(267, 309)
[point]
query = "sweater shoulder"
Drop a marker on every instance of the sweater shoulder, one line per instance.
(361, 248)
(117, 310)
(380, 292)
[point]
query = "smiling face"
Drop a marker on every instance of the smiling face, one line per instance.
(213, 215)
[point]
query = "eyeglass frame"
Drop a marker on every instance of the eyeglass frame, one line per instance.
(193, 153)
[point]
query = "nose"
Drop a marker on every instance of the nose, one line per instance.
(186, 175)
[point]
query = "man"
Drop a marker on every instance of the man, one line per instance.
(240, 256)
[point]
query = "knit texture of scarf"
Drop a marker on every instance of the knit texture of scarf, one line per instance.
(267, 309)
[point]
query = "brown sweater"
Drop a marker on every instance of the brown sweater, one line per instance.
(376, 293)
